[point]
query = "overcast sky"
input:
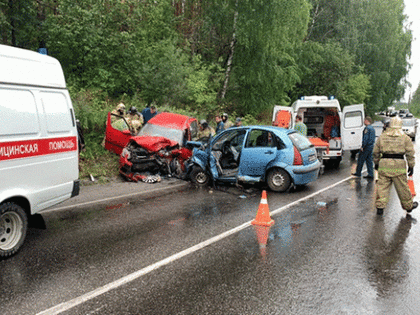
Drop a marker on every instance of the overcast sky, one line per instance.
(412, 10)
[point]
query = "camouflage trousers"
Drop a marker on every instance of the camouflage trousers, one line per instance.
(401, 186)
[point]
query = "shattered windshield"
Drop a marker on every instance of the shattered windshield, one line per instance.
(160, 131)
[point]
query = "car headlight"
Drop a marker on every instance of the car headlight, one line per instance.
(125, 153)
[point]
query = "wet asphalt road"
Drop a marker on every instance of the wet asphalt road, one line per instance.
(326, 254)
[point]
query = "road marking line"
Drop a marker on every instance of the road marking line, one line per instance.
(65, 306)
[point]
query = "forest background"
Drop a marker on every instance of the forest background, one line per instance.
(205, 57)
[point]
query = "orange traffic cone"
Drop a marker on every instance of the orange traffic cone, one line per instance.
(411, 185)
(263, 214)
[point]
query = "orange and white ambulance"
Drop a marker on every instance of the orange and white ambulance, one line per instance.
(38, 142)
(331, 129)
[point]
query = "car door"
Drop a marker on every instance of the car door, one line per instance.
(258, 151)
(235, 139)
(352, 126)
(116, 140)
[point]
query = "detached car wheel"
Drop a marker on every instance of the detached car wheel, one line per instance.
(278, 180)
(13, 227)
(199, 176)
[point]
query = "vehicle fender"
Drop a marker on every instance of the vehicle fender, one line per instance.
(196, 160)
(18, 194)
(277, 164)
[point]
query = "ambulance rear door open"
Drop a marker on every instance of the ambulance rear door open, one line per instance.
(352, 126)
(284, 121)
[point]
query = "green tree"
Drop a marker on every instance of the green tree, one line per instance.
(122, 47)
(19, 24)
(373, 31)
(328, 69)
(415, 103)
(268, 34)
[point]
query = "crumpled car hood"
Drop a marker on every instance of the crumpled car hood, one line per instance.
(154, 144)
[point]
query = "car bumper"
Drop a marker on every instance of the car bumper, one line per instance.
(307, 168)
(303, 175)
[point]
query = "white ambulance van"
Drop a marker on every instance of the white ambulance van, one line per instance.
(38, 142)
(330, 128)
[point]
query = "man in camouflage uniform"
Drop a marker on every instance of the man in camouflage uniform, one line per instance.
(119, 110)
(135, 119)
(134, 114)
(135, 126)
(388, 156)
(226, 122)
(205, 130)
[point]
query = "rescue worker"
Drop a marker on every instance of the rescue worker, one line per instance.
(134, 116)
(135, 126)
(238, 122)
(300, 126)
(220, 125)
(388, 155)
(119, 110)
(226, 122)
(205, 130)
(365, 154)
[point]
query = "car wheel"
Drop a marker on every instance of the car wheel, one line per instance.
(278, 180)
(13, 227)
(335, 163)
(199, 176)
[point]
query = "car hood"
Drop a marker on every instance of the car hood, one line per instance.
(154, 144)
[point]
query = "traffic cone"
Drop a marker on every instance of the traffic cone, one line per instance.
(263, 214)
(411, 185)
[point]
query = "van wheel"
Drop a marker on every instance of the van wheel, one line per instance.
(199, 176)
(278, 180)
(13, 227)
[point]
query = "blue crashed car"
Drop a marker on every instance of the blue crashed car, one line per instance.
(280, 157)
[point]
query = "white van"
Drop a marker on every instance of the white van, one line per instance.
(38, 141)
(330, 128)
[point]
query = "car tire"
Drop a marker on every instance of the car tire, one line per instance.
(278, 180)
(199, 176)
(335, 163)
(13, 228)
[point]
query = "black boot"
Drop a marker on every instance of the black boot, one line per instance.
(379, 211)
(415, 205)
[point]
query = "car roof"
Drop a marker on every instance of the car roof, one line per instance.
(268, 128)
(171, 120)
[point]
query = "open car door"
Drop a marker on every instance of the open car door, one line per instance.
(352, 126)
(116, 140)
(282, 117)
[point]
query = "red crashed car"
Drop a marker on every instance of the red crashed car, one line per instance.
(158, 148)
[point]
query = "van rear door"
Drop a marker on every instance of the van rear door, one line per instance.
(282, 117)
(352, 126)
